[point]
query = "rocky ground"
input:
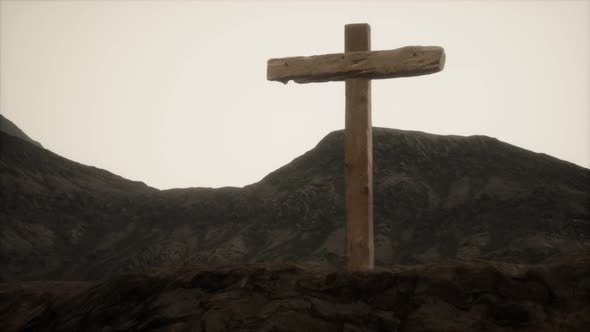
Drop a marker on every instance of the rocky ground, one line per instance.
(452, 296)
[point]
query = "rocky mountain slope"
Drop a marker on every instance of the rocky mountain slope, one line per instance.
(458, 296)
(436, 198)
(10, 128)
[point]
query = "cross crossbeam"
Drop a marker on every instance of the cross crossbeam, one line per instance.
(357, 66)
(402, 62)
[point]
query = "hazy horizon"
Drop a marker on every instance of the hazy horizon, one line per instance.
(174, 94)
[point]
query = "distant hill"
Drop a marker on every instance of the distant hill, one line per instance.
(436, 198)
(10, 128)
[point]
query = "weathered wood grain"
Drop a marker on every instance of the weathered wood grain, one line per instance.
(358, 159)
(402, 62)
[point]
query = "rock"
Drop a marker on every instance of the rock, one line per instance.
(250, 298)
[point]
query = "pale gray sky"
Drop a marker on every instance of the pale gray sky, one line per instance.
(174, 93)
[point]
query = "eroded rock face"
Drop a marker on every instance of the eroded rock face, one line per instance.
(455, 296)
(436, 197)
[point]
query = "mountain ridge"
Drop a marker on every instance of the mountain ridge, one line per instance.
(436, 198)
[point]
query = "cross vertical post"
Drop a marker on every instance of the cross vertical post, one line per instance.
(357, 66)
(358, 158)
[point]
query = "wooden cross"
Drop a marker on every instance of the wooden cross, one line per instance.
(357, 66)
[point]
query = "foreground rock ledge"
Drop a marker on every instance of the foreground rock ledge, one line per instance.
(454, 296)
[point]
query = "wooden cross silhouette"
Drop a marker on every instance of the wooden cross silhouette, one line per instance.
(357, 66)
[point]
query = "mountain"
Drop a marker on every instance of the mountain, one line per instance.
(436, 198)
(10, 128)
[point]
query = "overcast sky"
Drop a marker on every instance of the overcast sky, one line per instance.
(174, 93)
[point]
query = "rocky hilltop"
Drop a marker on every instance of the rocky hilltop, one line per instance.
(457, 296)
(436, 198)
